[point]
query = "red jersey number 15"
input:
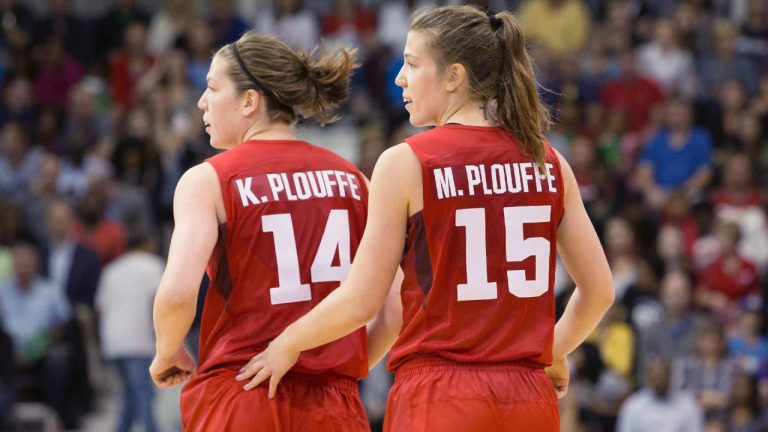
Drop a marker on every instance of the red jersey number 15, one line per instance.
(518, 249)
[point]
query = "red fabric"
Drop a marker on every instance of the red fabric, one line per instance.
(734, 285)
(241, 316)
(748, 198)
(635, 97)
(302, 403)
(434, 395)
(505, 328)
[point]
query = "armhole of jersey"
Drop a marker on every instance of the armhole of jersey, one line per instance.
(226, 203)
(422, 171)
(560, 181)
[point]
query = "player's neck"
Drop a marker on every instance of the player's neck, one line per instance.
(270, 131)
(470, 114)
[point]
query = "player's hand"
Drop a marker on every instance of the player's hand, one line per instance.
(173, 370)
(271, 363)
(560, 376)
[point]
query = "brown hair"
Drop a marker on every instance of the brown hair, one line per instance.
(293, 83)
(492, 50)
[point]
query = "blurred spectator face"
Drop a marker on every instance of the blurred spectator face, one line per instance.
(678, 115)
(13, 144)
(732, 95)
(287, 7)
(737, 172)
(201, 39)
(582, 154)
(670, 244)
(664, 34)
(18, 95)
(59, 221)
(221, 9)
(750, 129)
(657, 374)
(757, 8)
(676, 292)
(728, 234)
(92, 205)
(750, 322)
(677, 207)
(138, 123)
(619, 238)
(709, 340)
(24, 263)
(725, 35)
(627, 64)
(49, 172)
(135, 39)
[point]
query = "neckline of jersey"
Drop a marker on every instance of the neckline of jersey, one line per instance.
(477, 127)
(275, 141)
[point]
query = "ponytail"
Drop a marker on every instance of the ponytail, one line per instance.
(519, 108)
(291, 83)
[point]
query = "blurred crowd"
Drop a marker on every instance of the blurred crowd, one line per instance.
(660, 106)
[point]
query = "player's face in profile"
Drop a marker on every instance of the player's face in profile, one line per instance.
(424, 92)
(220, 105)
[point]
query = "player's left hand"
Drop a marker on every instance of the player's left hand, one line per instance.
(273, 363)
(559, 375)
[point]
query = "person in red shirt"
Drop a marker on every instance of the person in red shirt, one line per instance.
(727, 280)
(474, 211)
(636, 95)
(276, 221)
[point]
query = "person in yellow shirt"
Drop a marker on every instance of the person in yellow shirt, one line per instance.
(559, 25)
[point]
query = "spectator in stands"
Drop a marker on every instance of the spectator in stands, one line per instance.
(129, 64)
(559, 25)
(112, 24)
(673, 335)
(634, 94)
(34, 315)
(729, 279)
(658, 408)
(19, 160)
(738, 200)
(107, 237)
(124, 301)
(745, 343)
(226, 24)
(169, 23)
(678, 157)
(708, 373)
(665, 61)
(725, 63)
(290, 22)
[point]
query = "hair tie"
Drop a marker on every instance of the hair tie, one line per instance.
(495, 22)
(269, 94)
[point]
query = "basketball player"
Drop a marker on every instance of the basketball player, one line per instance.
(277, 222)
(474, 211)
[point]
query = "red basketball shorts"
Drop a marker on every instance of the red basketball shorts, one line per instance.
(302, 403)
(438, 395)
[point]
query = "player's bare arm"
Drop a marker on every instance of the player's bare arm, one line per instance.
(194, 237)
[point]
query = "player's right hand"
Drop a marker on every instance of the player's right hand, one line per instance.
(173, 370)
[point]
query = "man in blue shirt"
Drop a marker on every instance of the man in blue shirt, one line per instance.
(34, 315)
(678, 158)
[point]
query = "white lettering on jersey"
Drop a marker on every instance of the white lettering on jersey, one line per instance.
(299, 186)
(246, 194)
(494, 179)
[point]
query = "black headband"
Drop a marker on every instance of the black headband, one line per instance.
(495, 22)
(269, 94)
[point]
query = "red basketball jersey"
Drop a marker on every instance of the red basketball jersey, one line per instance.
(479, 259)
(295, 216)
